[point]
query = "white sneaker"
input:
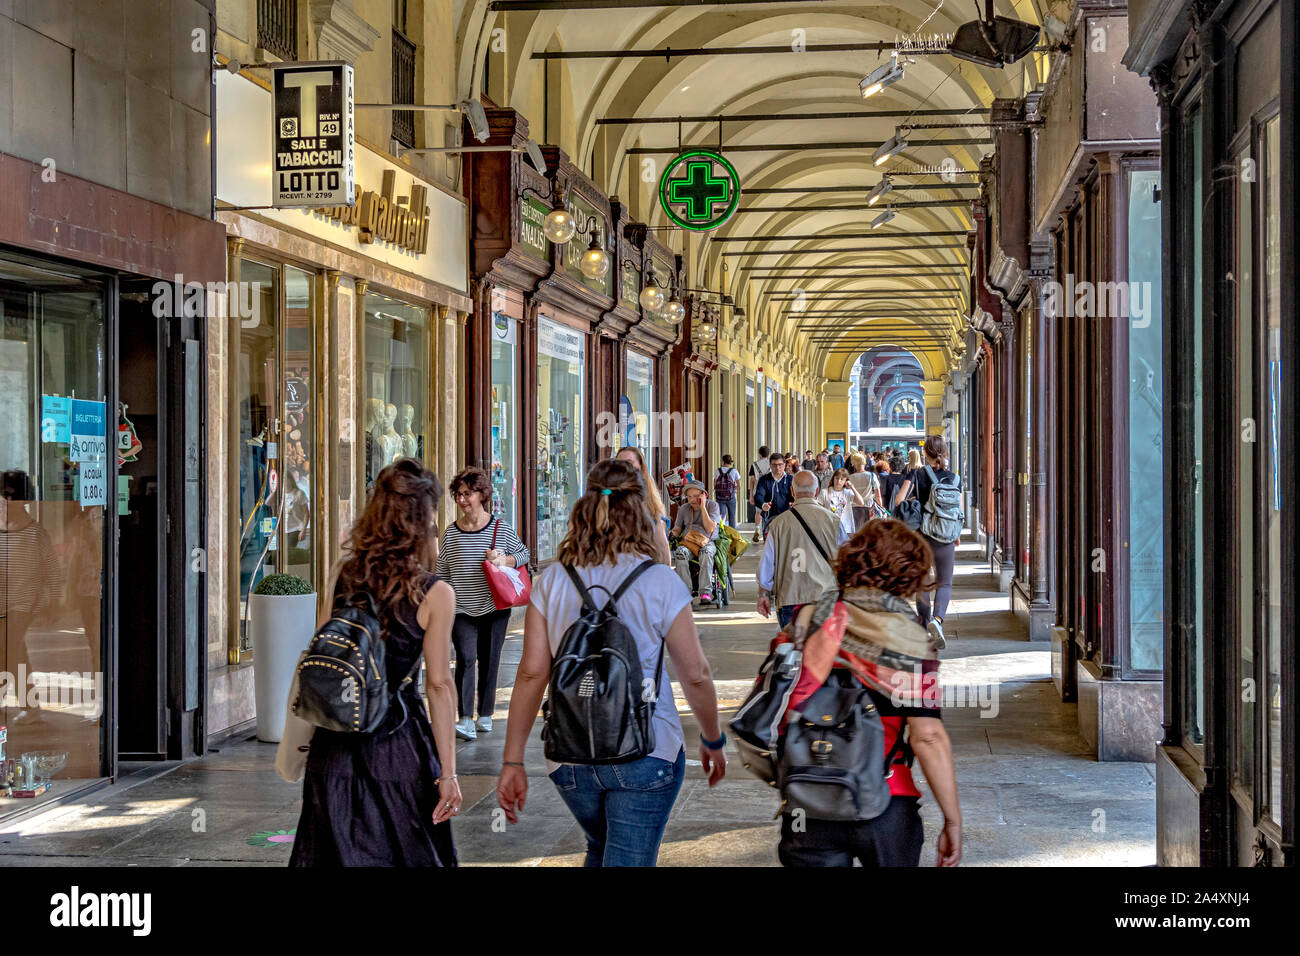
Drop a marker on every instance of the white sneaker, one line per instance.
(484, 724)
(935, 630)
(465, 729)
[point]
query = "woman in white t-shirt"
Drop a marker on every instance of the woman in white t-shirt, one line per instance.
(838, 498)
(622, 808)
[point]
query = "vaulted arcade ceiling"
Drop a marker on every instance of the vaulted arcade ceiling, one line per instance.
(595, 75)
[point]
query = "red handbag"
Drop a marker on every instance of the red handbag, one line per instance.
(510, 587)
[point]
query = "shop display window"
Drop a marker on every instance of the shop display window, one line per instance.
(55, 467)
(504, 420)
(561, 355)
(277, 456)
(639, 389)
(395, 383)
(1146, 428)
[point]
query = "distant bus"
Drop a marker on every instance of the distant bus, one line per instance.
(887, 439)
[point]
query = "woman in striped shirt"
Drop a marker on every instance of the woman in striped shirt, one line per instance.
(479, 629)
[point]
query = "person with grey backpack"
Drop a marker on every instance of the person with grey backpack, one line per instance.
(939, 492)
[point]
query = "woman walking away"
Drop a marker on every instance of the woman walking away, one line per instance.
(725, 482)
(386, 798)
(658, 512)
(863, 478)
(913, 460)
(840, 498)
(479, 631)
(873, 638)
(621, 807)
(944, 547)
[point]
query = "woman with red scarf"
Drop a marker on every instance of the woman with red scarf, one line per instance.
(872, 628)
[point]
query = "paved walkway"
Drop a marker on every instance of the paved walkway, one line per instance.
(1030, 792)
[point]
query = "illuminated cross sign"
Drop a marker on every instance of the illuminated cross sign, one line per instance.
(699, 190)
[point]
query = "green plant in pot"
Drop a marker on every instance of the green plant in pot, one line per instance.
(282, 620)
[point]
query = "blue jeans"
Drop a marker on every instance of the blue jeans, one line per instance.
(622, 807)
(729, 506)
(784, 615)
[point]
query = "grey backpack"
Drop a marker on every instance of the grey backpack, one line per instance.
(941, 519)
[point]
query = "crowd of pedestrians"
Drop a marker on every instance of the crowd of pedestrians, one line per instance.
(853, 548)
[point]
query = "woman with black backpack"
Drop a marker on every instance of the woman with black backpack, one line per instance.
(618, 778)
(386, 798)
(866, 636)
(923, 480)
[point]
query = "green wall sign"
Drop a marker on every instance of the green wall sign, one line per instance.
(532, 216)
(630, 292)
(699, 190)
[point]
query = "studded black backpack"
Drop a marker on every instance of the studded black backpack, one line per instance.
(598, 707)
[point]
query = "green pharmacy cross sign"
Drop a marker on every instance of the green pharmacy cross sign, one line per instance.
(699, 190)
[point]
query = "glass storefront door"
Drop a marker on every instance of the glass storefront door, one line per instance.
(505, 420)
(54, 447)
(561, 355)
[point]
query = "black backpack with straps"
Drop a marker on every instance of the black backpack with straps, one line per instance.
(343, 677)
(598, 707)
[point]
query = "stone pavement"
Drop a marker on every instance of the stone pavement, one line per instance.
(1031, 794)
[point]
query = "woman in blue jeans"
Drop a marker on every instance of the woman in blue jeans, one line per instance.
(622, 808)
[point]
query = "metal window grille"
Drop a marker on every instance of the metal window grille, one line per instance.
(277, 27)
(403, 88)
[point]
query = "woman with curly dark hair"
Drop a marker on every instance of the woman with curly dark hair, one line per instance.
(622, 808)
(387, 798)
(871, 628)
(479, 630)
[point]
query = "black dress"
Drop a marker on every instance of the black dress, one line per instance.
(368, 799)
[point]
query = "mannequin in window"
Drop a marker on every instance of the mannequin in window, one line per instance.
(392, 440)
(374, 438)
(410, 444)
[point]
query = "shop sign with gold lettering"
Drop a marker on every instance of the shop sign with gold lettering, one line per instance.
(402, 221)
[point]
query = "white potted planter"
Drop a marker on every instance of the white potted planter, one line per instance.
(282, 620)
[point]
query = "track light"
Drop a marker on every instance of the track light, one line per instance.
(535, 156)
(995, 42)
(887, 74)
(477, 117)
(888, 149)
(884, 217)
(882, 187)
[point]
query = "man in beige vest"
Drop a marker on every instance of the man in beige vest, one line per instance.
(795, 568)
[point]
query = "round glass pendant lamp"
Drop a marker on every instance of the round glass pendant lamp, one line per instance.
(595, 261)
(559, 226)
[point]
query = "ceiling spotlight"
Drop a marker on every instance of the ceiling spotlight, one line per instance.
(1055, 29)
(882, 187)
(595, 261)
(888, 149)
(535, 156)
(994, 42)
(884, 217)
(887, 74)
(477, 117)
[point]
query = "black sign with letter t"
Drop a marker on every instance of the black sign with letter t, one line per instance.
(312, 146)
